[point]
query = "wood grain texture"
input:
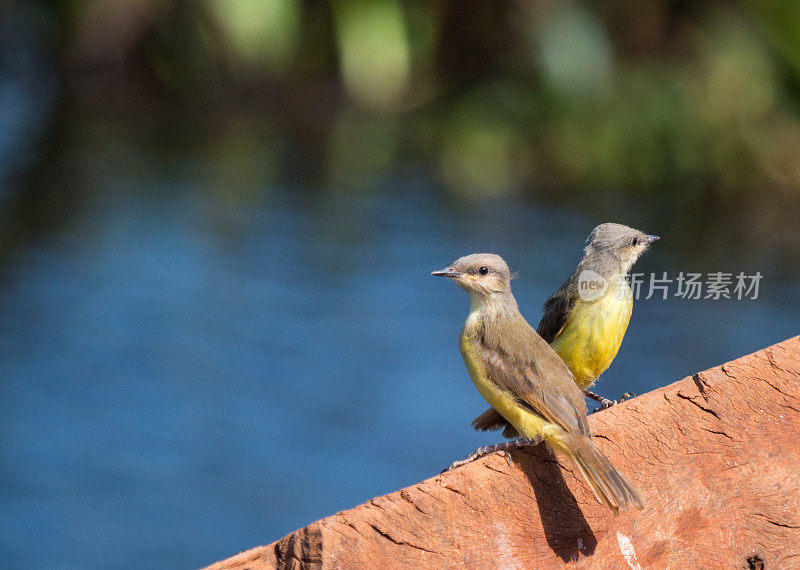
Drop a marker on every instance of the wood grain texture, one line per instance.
(716, 457)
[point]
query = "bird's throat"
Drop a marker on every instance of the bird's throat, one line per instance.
(492, 306)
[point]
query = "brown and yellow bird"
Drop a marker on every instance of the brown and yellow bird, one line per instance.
(586, 318)
(525, 381)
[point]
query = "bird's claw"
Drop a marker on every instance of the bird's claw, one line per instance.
(505, 455)
(605, 403)
(500, 449)
(477, 454)
(468, 459)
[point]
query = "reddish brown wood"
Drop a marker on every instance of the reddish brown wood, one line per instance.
(716, 457)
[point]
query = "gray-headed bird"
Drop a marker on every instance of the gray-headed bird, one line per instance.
(586, 319)
(525, 381)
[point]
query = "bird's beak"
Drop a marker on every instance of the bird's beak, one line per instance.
(446, 272)
(651, 239)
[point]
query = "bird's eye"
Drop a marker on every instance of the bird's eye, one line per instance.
(635, 241)
(483, 270)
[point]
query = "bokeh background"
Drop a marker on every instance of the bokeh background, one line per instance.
(219, 216)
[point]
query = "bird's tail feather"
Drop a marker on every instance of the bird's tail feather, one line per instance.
(609, 485)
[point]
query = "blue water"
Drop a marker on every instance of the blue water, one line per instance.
(187, 374)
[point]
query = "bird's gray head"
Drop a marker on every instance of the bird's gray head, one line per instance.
(483, 274)
(618, 243)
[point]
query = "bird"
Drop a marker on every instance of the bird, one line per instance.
(525, 381)
(586, 318)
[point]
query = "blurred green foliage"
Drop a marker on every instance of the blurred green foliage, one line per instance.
(695, 102)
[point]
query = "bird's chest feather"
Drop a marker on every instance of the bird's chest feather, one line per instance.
(524, 421)
(591, 338)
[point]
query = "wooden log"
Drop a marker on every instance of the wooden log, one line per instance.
(716, 457)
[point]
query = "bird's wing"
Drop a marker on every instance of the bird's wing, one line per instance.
(556, 311)
(526, 366)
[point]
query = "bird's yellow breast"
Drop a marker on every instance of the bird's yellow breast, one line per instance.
(593, 334)
(526, 423)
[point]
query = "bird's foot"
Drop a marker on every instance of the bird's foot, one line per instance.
(605, 403)
(499, 448)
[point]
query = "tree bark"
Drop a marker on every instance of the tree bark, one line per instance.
(715, 456)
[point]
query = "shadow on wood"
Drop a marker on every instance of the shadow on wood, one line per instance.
(715, 457)
(558, 510)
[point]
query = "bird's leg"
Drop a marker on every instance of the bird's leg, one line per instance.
(501, 448)
(605, 403)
